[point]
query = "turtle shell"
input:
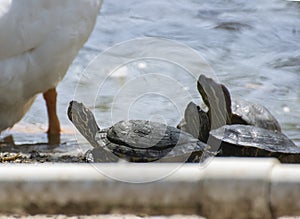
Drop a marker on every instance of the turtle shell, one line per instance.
(144, 141)
(144, 134)
(251, 141)
(244, 112)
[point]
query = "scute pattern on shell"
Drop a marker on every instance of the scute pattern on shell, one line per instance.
(254, 114)
(145, 141)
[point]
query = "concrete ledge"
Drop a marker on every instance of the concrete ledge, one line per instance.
(222, 188)
(237, 188)
(285, 190)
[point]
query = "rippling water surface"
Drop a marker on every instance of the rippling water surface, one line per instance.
(253, 48)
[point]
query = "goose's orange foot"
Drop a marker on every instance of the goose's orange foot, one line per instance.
(50, 97)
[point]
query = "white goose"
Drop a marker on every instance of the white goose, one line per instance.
(38, 41)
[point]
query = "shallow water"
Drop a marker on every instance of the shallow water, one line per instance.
(253, 48)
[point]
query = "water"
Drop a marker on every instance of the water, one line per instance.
(252, 46)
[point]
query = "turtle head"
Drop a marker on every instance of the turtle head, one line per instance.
(84, 120)
(217, 99)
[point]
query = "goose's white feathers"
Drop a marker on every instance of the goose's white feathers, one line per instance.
(38, 41)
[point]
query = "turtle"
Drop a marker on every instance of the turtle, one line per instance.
(253, 141)
(247, 113)
(237, 111)
(133, 140)
(256, 133)
(218, 100)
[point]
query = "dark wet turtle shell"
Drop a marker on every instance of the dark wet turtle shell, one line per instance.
(134, 140)
(251, 141)
(244, 112)
(145, 141)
